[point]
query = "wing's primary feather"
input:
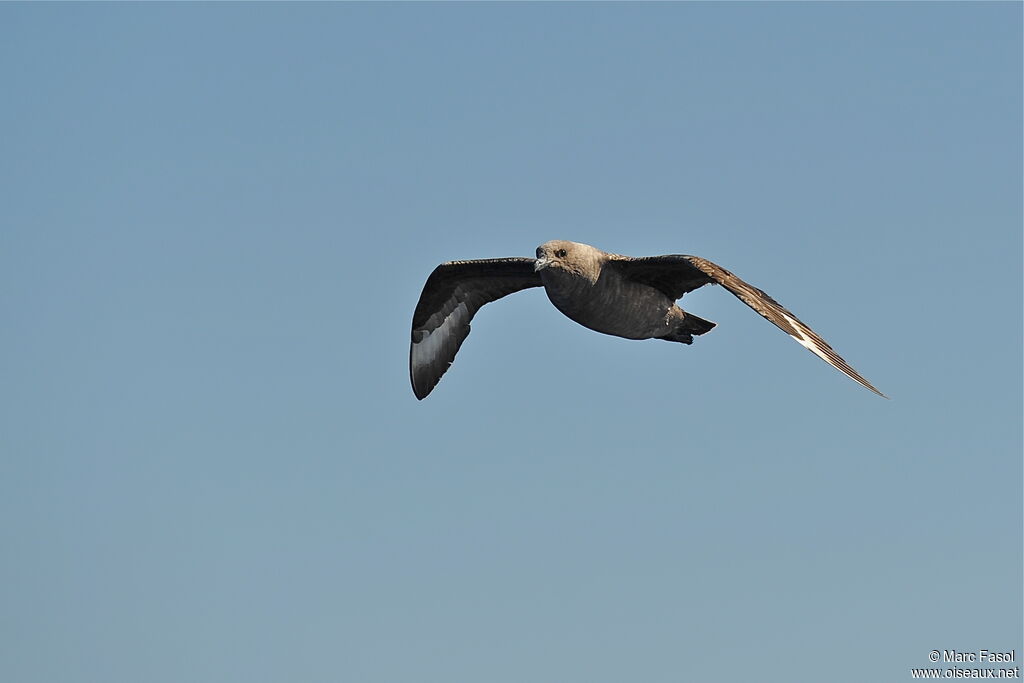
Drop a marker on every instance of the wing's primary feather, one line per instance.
(452, 295)
(678, 274)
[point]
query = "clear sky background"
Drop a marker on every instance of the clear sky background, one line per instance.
(217, 219)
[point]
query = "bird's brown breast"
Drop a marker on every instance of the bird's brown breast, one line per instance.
(610, 305)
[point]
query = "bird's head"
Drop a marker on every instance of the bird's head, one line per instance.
(569, 258)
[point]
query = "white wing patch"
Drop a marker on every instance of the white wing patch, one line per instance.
(431, 346)
(806, 341)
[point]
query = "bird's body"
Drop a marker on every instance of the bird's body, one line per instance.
(586, 295)
(617, 295)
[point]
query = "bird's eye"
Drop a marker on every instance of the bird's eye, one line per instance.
(560, 253)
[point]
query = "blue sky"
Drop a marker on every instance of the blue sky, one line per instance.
(217, 220)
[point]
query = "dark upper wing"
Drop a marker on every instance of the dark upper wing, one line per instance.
(453, 294)
(676, 275)
(673, 275)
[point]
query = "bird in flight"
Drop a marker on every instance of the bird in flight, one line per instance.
(628, 297)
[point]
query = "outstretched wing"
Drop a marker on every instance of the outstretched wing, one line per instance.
(676, 275)
(453, 294)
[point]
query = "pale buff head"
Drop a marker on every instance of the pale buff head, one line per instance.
(569, 258)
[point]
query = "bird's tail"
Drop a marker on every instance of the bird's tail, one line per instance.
(689, 326)
(695, 325)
